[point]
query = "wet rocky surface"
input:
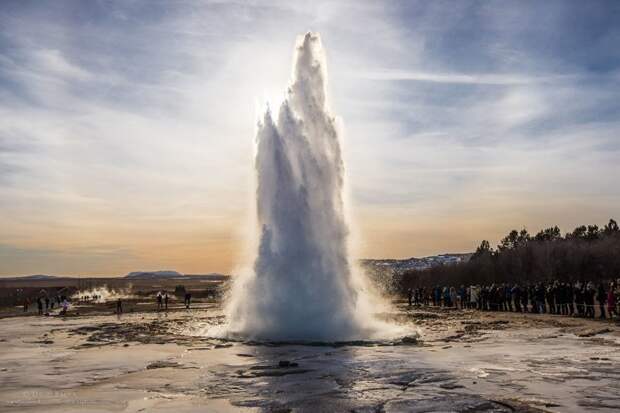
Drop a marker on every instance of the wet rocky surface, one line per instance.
(453, 361)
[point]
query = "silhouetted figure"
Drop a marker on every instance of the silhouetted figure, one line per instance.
(410, 296)
(566, 295)
(166, 300)
(47, 303)
(540, 299)
(159, 301)
(461, 296)
(601, 297)
(524, 299)
(578, 291)
(611, 301)
(65, 307)
(589, 294)
(188, 299)
(26, 304)
(119, 306)
(453, 297)
(550, 296)
(515, 292)
(40, 306)
(570, 293)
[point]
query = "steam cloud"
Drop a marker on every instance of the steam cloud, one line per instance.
(103, 294)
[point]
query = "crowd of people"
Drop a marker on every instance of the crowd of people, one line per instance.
(88, 298)
(47, 303)
(584, 299)
(163, 298)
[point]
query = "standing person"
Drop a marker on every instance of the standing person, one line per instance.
(26, 304)
(159, 300)
(409, 296)
(166, 299)
(516, 296)
(65, 307)
(446, 297)
(483, 295)
(565, 297)
(507, 298)
(524, 298)
(550, 296)
(47, 303)
(560, 298)
(589, 300)
(611, 301)
(570, 298)
(468, 297)
(601, 297)
(473, 297)
(461, 296)
(453, 297)
(436, 296)
(119, 306)
(557, 297)
(540, 299)
(584, 299)
(188, 299)
(492, 297)
(578, 293)
(40, 306)
(532, 296)
(495, 297)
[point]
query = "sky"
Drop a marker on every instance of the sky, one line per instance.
(127, 127)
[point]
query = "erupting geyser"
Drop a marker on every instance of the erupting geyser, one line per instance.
(302, 286)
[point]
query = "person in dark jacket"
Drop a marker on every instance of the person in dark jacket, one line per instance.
(601, 297)
(589, 294)
(579, 297)
(516, 296)
(524, 299)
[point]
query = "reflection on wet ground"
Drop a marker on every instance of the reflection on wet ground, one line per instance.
(463, 362)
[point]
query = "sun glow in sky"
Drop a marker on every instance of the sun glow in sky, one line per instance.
(127, 127)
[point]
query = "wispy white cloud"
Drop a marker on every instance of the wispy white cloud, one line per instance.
(52, 62)
(462, 78)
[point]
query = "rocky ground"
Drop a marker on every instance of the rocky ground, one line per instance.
(463, 361)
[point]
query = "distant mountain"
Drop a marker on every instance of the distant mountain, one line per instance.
(413, 263)
(154, 274)
(168, 274)
(34, 277)
(215, 276)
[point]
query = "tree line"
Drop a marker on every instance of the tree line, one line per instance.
(588, 253)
